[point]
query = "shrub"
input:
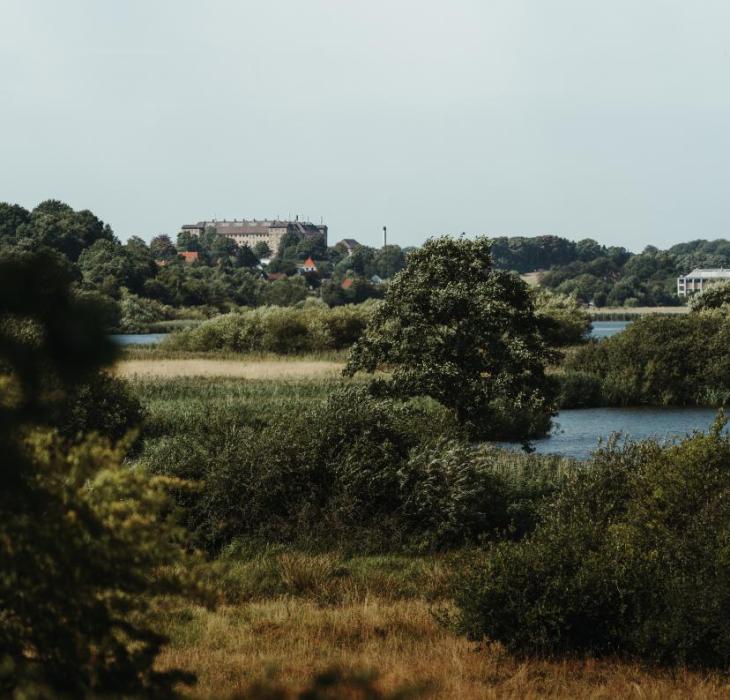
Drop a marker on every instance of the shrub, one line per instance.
(562, 319)
(102, 404)
(631, 558)
(285, 331)
(675, 361)
(138, 314)
(578, 389)
(454, 493)
(354, 471)
(714, 297)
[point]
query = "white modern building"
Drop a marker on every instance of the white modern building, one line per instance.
(698, 280)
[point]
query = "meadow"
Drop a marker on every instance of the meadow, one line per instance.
(381, 613)
(291, 616)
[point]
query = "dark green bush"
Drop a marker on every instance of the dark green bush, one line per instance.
(674, 361)
(102, 404)
(353, 471)
(578, 389)
(631, 558)
(312, 328)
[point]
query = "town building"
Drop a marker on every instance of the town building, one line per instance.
(350, 244)
(269, 231)
(698, 280)
(189, 256)
(308, 266)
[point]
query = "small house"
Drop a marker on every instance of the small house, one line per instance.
(189, 256)
(308, 266)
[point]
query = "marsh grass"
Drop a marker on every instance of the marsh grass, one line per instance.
(178, 403)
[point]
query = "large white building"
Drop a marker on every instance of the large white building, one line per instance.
(698, 280)
(246, 232)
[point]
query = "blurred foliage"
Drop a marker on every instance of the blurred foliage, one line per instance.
(85, 543)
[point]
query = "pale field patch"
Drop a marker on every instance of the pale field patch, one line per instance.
(242, 369)
(532, 278)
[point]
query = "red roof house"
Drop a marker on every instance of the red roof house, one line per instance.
(189, 256)
(308, 265)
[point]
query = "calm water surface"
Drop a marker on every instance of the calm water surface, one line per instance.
(138, 338)
(578, 431)
(604, 329)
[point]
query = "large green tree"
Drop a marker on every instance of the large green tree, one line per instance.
(455, 329)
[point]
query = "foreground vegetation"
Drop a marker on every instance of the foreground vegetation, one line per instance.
(223, 526)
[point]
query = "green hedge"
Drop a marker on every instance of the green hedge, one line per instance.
(282, 330)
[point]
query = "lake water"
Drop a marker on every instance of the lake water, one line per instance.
(600, 329)
(138, 338)
(578, 430)
(604, 329)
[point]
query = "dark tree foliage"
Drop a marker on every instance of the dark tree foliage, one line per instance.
(676, 361)
(12, 217)
(162, 248)
(83, 541)
(453, 328)
(56, 225)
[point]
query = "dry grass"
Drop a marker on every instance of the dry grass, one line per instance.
(293, 638)
(532, 278)
(242, 369)
(377, 614)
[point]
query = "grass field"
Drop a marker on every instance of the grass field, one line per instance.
(381, 615)
(241, 369)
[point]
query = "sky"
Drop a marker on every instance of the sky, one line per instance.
(580, 118)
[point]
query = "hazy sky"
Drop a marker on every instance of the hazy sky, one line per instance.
(573, 117)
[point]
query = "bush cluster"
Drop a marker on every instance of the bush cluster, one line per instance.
(354, 472)
(631, 558)
(672, 361)
(310, 328)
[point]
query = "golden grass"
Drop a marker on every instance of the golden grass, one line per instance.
(242, 369)
(294, 638)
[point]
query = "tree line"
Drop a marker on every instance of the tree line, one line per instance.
(609, 275)
(223, 275)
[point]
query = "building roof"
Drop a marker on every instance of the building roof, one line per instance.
(244, 226)
(350, 243)
(713, 273)
(189, 255)
(273, 276)
(347, 283)
(309, 263)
